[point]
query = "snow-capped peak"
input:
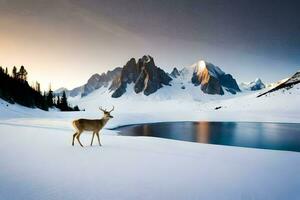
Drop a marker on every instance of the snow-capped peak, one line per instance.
(200, 66)
(257, 84)
(147, 58)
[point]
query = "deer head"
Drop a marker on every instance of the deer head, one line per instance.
(106, 113)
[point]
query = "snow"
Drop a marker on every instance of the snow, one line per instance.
(41, 164)
(38, 161)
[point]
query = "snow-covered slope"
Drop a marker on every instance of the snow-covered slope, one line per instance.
(40, 163)
(284, 84)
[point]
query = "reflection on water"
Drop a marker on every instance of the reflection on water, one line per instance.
(278, 136)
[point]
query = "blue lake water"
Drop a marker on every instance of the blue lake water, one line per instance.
(276, 136)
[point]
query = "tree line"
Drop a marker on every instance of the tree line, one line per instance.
(14, 88)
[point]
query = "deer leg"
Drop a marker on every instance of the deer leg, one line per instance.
(92, 138)
(74, 135)
(98, 138)
(77, 137)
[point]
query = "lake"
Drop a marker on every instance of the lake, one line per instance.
(276, 136)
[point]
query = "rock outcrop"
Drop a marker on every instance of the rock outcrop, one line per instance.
(175, 73)
(145, 76)
(97, 81)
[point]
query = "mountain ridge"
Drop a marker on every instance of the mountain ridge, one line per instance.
(147, 78)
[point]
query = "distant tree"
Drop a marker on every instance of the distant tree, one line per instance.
(64, 102)
(22, 74)
(38, 87)
(15, 89)
(58, 100)
(49, 98)
(14, 73)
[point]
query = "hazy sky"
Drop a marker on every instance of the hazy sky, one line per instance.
(66, 41)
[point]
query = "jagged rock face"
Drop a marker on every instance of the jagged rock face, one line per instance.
(175, 73)
(229, 83)
(144, 74)
(97, 81)
(212, 79)
(208, 83)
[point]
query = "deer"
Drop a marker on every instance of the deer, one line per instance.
(94, 125)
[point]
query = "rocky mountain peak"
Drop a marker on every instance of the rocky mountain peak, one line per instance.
(175, 73)
(144, 74)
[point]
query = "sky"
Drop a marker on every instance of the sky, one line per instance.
(64, 42)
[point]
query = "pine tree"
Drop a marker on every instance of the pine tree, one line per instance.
(22, 74)
(15, 89)
(14, 73)
(38, 87)
(58, 100)
(64, 102)
(49, 98)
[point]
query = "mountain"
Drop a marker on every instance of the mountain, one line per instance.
(145, 76)
(257, 84)
(175, 73)
(284, 84)
(210, 78)
(60, 90)
(95, 82)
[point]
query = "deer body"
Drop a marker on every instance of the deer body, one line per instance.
(94, 125)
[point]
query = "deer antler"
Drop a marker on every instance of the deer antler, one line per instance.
(112, 109)
(100, 108)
